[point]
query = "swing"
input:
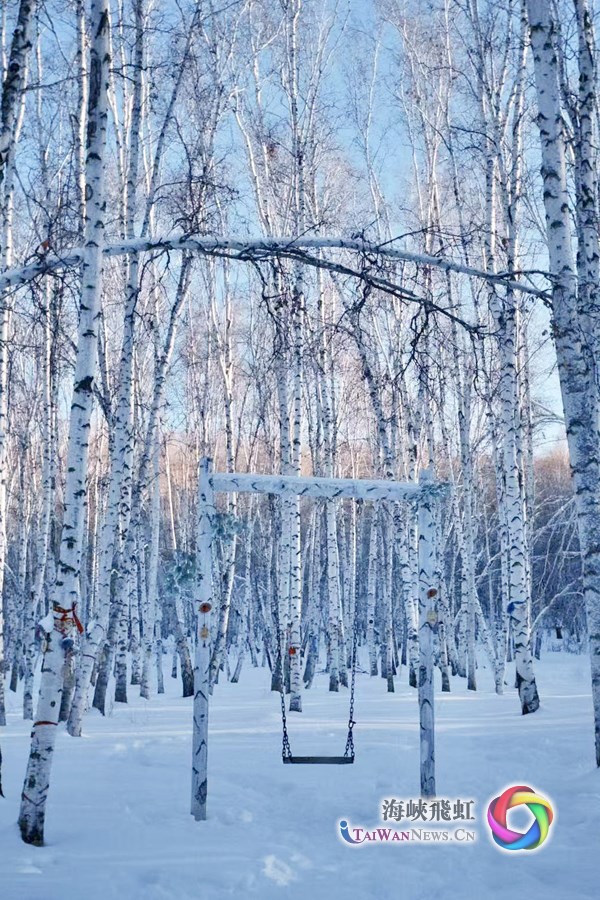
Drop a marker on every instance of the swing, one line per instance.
(347, 759)
(426, 493)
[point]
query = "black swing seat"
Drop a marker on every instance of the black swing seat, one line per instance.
(287, 757)
(319, 760)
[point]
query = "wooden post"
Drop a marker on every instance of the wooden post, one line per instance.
(427, 623)
(206, 512)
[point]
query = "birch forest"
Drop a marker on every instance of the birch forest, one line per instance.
(311, 240)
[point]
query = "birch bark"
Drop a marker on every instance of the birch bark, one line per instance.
(122, 446)
(66, 593)
(206, 513)
(427, 621)
(575, 320)
(152, 619)
(10, 113)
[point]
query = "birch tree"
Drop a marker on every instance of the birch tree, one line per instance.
(11, 111)
(574, 290)
(60, 625)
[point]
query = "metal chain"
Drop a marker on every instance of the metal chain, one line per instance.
(286, 750)
(349, 751)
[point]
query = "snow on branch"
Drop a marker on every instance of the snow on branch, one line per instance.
(298, 249)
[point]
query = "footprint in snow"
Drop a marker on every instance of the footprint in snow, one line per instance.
(278, 871)
(27, 868)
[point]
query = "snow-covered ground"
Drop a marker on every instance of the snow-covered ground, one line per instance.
(118, 822)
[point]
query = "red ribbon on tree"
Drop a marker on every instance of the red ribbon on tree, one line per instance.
(66, 616)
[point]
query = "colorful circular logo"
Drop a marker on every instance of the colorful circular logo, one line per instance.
(518, 796)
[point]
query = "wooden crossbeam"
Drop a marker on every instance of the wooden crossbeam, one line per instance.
(326, 488)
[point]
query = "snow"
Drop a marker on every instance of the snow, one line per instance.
(118, 822)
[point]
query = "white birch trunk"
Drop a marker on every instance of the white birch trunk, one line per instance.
(151, 618)
(372, 593)
(571, 319)
(314, 598)
(427, 621)
(37, 778)
(206, 512)
(387, 563)
(131, 495)
(134, 617)
(228, 562)
(333, 592)
(43, 534)
(12, 111)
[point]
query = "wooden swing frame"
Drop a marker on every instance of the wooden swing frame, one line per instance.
(424, 494)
